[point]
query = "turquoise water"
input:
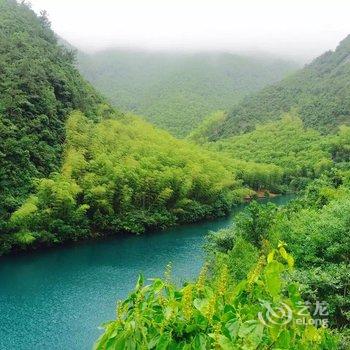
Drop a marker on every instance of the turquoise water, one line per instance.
(56, 299)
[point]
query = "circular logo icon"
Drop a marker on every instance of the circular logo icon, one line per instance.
(279, 314)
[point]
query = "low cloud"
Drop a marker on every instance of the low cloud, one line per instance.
(295, 28)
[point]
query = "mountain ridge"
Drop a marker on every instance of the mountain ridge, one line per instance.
(318, 93)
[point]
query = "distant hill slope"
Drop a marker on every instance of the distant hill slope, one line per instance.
(302, 153)
(39, 86)
(176, 91)
(318, 93)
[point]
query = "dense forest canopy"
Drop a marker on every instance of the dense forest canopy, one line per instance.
(123, 175)
(39, 86)
(319, 94)
(176, 91)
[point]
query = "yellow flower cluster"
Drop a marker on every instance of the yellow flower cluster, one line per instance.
(210, 308)
(187, 299)
(223, 280)
(255, 272)
(202, 278)
(168, 273)
(217, 332)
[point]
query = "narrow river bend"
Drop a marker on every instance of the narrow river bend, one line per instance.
(56, 299)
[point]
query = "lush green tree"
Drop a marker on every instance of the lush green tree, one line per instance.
(341, 145)
(254, 223)
(320, 241)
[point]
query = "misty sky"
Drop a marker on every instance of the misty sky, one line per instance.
(297, 28)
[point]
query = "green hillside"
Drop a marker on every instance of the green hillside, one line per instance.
(302, 153)
(318, 93)
(176, 91)
(123, 175)
(39, 86)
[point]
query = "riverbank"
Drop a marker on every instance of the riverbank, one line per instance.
(261, 195)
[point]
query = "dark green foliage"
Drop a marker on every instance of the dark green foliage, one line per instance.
(329, 283)
(254, 223)
(223, 242)
(319, 93)
(341, 146)
(230, 248)
(39, 86)
(318, 232)
(241, 258)
(176, 91)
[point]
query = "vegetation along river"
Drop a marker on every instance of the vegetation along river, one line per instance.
(57, 298)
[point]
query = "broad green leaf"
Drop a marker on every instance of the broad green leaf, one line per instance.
(163, 341)
(273, 278)
(284, 340)
(200, 342)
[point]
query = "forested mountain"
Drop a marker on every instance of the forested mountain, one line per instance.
(97, 171)
(39, 86)
(318, 93)
(176, 91)
(121, 174)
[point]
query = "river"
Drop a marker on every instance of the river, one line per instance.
(57, 298)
